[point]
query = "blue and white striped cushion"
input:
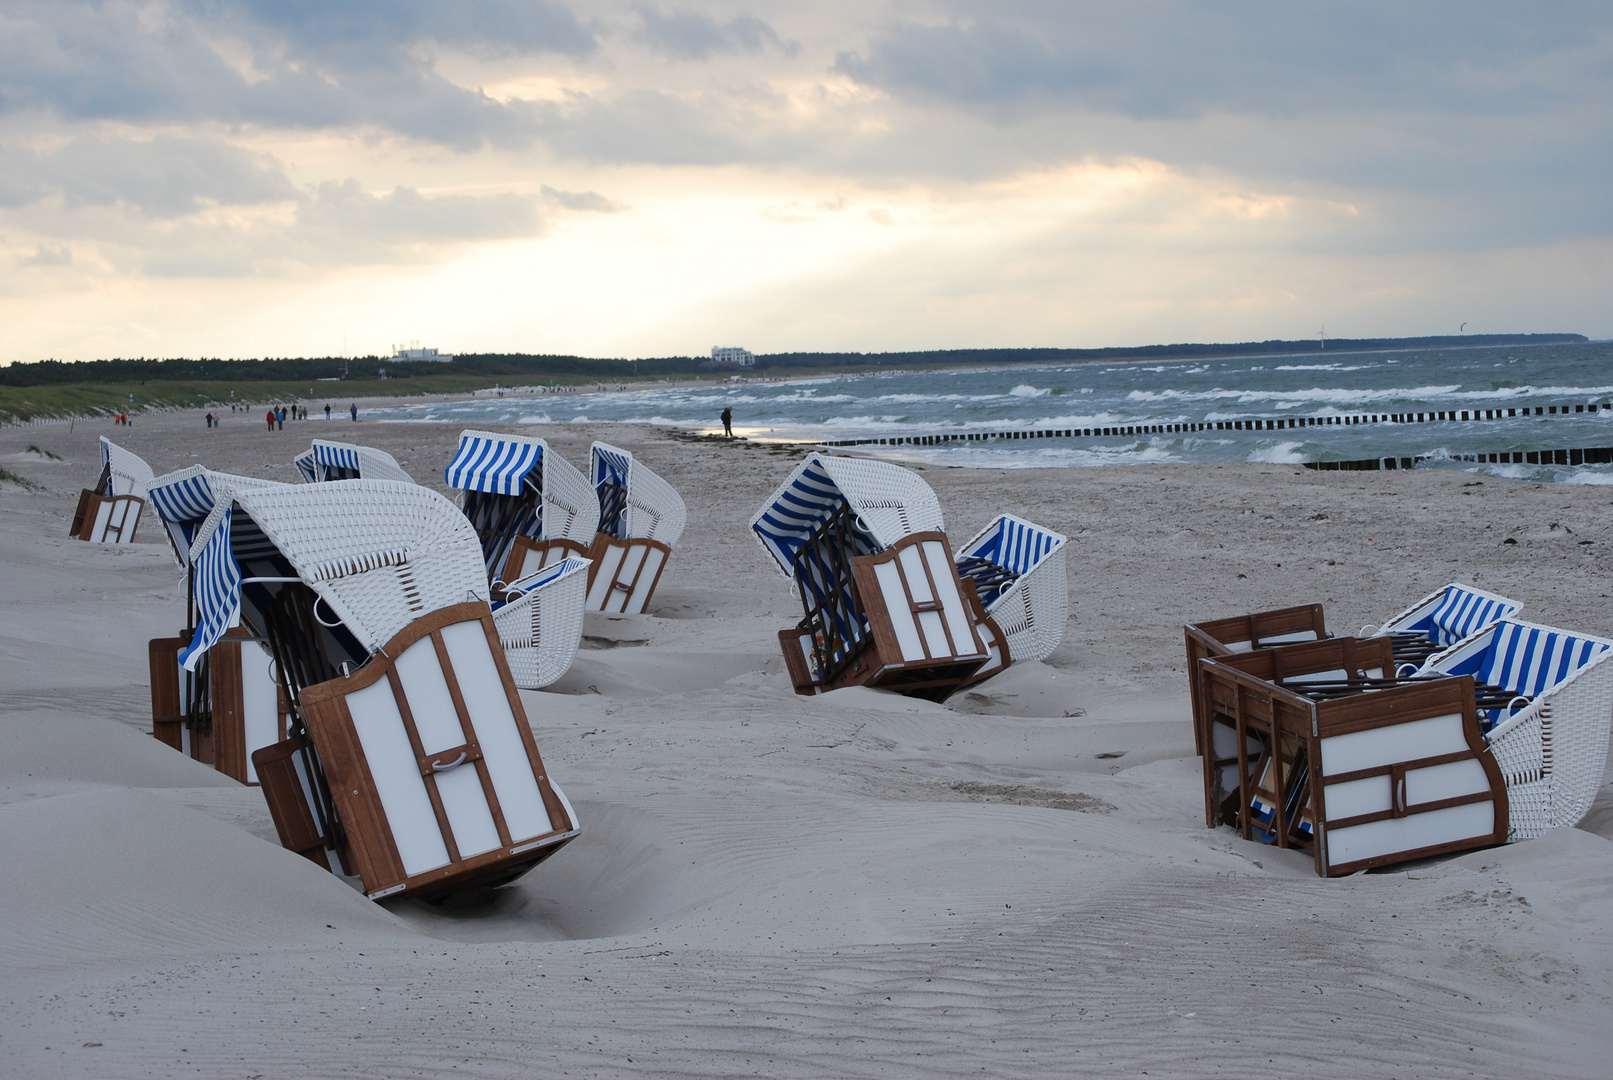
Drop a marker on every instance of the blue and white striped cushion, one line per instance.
(1462, 613)
(792, 519)
(1530, 659)
(1016, 546)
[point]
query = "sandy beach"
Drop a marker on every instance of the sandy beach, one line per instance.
(1015, 883)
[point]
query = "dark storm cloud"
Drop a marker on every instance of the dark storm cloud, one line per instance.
(1183, 60)
(694, 36)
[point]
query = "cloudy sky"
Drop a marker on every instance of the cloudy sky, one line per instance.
(290, 177)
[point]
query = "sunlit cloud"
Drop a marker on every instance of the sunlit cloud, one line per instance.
(241, 177)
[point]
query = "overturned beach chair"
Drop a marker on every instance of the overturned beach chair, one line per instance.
(535, 516)
(1550, 693)
(530, 507)
(641, 519)
(1426, 628)
(109, 513)
(1319, 748)
(409, 762)
(229, 704)
(1440, 620)
(1017, 571)
(861, 542)
(326, 460)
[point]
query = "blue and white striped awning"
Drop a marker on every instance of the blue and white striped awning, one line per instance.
(1013, 544)
(797, 512)
(547, 576)
(489, 464)
(183, 497)
(218, 594)
(316, 462)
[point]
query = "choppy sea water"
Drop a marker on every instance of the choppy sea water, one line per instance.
(1097, 395)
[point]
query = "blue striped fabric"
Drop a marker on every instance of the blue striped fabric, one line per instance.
(1015, 545)
(493, 466)
(184, 503)
(218, 594)
(307, 466)
(611, 469)
(1462, 614)
(548, 576)
(805, 505)
(1530, 659)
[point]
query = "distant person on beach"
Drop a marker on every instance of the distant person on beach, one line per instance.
(352, 410)
(728, 422)
(280, 419)
(271, 419)
(327, 410)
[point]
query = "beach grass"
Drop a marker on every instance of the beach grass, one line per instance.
(9, 477)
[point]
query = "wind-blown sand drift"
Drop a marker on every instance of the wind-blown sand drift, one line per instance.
(858, 884)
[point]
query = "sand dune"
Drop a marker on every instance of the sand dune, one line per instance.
(1015, 883)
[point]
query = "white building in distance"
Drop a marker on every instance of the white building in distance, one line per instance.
(418, 355)
(732, 356)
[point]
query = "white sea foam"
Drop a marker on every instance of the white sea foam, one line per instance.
(1283, 453)
(1024, 390)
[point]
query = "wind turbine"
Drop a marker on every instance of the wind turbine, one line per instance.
(1322, 334)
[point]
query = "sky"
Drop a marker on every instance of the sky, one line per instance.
(245, 178)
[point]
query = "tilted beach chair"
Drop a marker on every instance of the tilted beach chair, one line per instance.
(1018, 574)
(109, 513)
(640, 521)
(1550, 695)
(533, 513)
(1440, 620)
(410, 762)
(326, 460)
(861, 542)
(530, 506)
(229, 704)
(1242, 634)
(1318, 747)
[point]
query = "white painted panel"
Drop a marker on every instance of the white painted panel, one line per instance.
(397, 778)
(653, 558)
(1398, 742)
(465, 803)
(1410, 832)
(959, 618)
(1369, 795)
(1336, 675)
(1374, 672)
(507, 763)
(912, 561)
(260, 702)
(617, 599)
(1285, 639)
(1238, 646)
(103, 514)
(609, 560)
(432, 706)
(1446, 781)
(1224, 739)
(935, 634)
(907, 634)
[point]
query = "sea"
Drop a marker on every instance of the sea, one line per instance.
(1323, 383)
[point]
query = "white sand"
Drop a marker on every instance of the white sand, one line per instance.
(855, 885)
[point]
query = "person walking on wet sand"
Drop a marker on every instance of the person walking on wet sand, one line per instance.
(271, 419)
(352, 410)
(728, 422)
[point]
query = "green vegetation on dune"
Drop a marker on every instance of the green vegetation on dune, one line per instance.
(100, 399)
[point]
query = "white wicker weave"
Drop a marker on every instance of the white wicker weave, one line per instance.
(540, 631)
(1032, 612)
(655, 511)
(381, 553)
(215, 482)
(126, 472)
(570, 507)
(891, 502)
(1553, 753)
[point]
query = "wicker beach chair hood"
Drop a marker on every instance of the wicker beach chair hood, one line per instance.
(634, 502)
(378, 553)
(123, 472)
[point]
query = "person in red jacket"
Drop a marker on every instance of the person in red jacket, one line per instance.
(271, 419)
